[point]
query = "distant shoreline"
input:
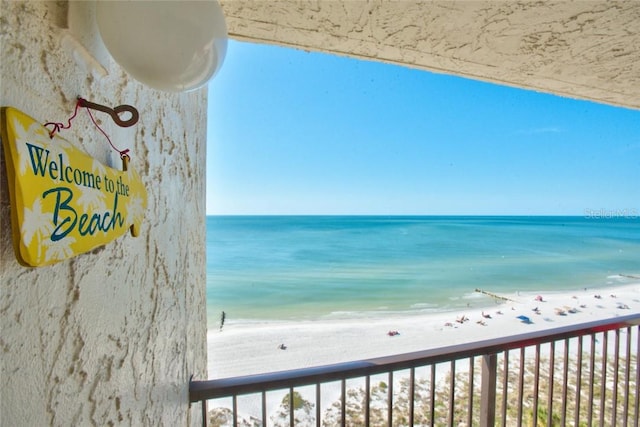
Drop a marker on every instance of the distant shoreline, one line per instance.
(476, 300)
(253, 347)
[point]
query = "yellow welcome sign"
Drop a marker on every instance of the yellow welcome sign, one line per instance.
(63, 202)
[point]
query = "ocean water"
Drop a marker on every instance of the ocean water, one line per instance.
(334, 267)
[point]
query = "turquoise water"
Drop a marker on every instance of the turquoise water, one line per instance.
(310, 267)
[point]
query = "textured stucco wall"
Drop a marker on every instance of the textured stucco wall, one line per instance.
(110, 337)
(584, 49)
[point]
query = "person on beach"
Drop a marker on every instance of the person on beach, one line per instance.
(462, 319)
(223, 317)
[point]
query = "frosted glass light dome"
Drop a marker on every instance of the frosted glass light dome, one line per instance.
(174, 46)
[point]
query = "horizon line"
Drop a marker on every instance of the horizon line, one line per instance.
(593, 214)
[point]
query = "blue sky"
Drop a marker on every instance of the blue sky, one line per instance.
(293, 132)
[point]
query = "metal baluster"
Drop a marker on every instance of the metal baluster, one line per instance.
(521, 387)
(291, 408)
(452, 392)
(592, 357)
(432, 403)
(204, 412)
(367, 400)
(536, 385)
(627, 379)
(412, 393)
(616, 356)
(565, 381)
(235, 410)
(343, 402)
(390, 400)
(487, 393)
(505, 387)
(318, 405)
(470, 403)
(636, 416)
(603, 377)
(578, 381)
(552, 361)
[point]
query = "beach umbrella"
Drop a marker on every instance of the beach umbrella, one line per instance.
(524, 319)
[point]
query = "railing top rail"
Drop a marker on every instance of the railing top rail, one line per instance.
(211, 389)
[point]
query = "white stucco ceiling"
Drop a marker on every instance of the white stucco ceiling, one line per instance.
(579, 49)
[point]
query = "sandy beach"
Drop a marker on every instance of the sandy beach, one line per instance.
(249, 348)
